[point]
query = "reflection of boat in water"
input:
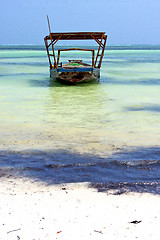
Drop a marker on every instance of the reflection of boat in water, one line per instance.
(75, 71)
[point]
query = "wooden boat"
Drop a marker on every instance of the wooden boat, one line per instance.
(75, 71)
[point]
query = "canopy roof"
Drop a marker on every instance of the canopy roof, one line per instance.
(99, 37)
(76, 36)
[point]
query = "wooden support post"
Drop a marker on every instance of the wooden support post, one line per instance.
(97, 40)
(100, 45)
(58, 39)
(58, 57)
(104, 44)
(46, 43)
(93, 58)
(55, 64)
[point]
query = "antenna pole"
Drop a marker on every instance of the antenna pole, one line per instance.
(49, 25)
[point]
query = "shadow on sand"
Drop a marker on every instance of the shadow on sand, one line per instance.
(136, 170)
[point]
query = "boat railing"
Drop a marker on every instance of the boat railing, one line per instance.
(75, 49)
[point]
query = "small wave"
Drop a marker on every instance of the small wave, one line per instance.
(138, 163)
(70, 165)
(107, 164)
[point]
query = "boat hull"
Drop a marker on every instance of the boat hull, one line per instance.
(75, 76)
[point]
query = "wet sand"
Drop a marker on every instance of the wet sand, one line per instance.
(33, 210)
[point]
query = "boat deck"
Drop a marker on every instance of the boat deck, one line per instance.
(75, 65)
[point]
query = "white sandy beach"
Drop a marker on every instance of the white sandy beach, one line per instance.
(33, 211)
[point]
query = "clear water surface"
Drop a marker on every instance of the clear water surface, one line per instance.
(106, 132)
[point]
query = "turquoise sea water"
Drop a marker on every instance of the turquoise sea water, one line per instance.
(72, 128)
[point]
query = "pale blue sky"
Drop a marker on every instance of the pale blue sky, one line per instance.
(124, 21)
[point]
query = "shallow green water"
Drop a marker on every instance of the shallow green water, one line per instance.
(121, 111)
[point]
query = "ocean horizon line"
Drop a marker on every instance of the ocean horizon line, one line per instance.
(110, 45)
(38, 47)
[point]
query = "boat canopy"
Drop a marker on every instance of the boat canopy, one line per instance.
(76, 36)
(99, 37)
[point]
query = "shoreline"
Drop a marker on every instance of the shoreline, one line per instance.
(33, 210)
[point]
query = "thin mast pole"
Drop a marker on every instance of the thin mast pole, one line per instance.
(55, 65)
(49, 25)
